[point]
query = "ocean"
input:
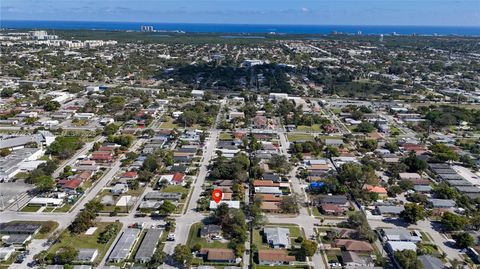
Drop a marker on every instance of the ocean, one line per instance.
(245, 28)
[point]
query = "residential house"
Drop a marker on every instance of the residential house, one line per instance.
(260, 122)
(441, 203)
(210, 231)
(381, 191)
(400, 234)
(274, 257)
(86, 255)
(119, 188)
(353, 245)
(223, 255)
(339, 200)
(331, 209)
(270, 207)
(277, 237)
(351, 259)
(431, 262)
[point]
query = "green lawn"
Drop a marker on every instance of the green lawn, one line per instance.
(168, 124)
(85, 241)
(30, 208)
(279, 266)
(225, 136)
(332, 255)
(65, 208)
(194, 238)
(293, 137)
(258, 240)
(306, 128)
(295, 231)
(173, 188)
(425, 237)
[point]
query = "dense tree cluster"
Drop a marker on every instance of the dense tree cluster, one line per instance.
(64, 147)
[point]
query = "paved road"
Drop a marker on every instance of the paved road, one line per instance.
(303, 219)
(184, 222)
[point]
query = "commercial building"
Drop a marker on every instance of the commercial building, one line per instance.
(148, 246)
(124, 246)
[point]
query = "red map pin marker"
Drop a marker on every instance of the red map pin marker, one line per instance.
(217, 195)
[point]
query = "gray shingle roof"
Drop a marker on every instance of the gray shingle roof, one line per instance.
(148, 245)
(124, 245)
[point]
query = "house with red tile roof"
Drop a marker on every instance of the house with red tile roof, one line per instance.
(129, 175)
(178, 179)
(274, 257)
(331, 209)
(70, 185)
(381, 191)
(353, 245)
(102, 156)
(84, 176)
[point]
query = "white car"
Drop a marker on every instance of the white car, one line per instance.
(171, 237)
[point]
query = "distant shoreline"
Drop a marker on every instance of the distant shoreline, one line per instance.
(246, 28)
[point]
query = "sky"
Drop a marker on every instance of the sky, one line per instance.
(310, 12)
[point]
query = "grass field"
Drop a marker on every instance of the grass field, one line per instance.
(295, 231)
(292, 137)
(194, 238)
(306, 128)
(225, 136)
(172, 188)
(86, 241)
(30, 208)
(168, 124)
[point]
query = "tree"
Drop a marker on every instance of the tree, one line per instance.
(280, 164)
(444, 191)
(413, 213)
(45, 183)
(289, 204)
(51, 106)
(150, 163)
(183, 255)
(167, 207)
(453, 222)
(365, 127)
(413, 163)
(110, 129)
(392, 147)
(308, 248)
(464, 240)
(110, 231)
(94, 206)
(256, 212)
(369, 145)
(5, 152)
(443, 153)
(407, 259)
(66, 254)
(157, 259)
(7, 92)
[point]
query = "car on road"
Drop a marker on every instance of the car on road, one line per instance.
(171, 237)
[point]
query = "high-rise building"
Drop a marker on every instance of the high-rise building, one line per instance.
(146, 28)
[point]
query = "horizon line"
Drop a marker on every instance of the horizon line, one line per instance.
(252, 24)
